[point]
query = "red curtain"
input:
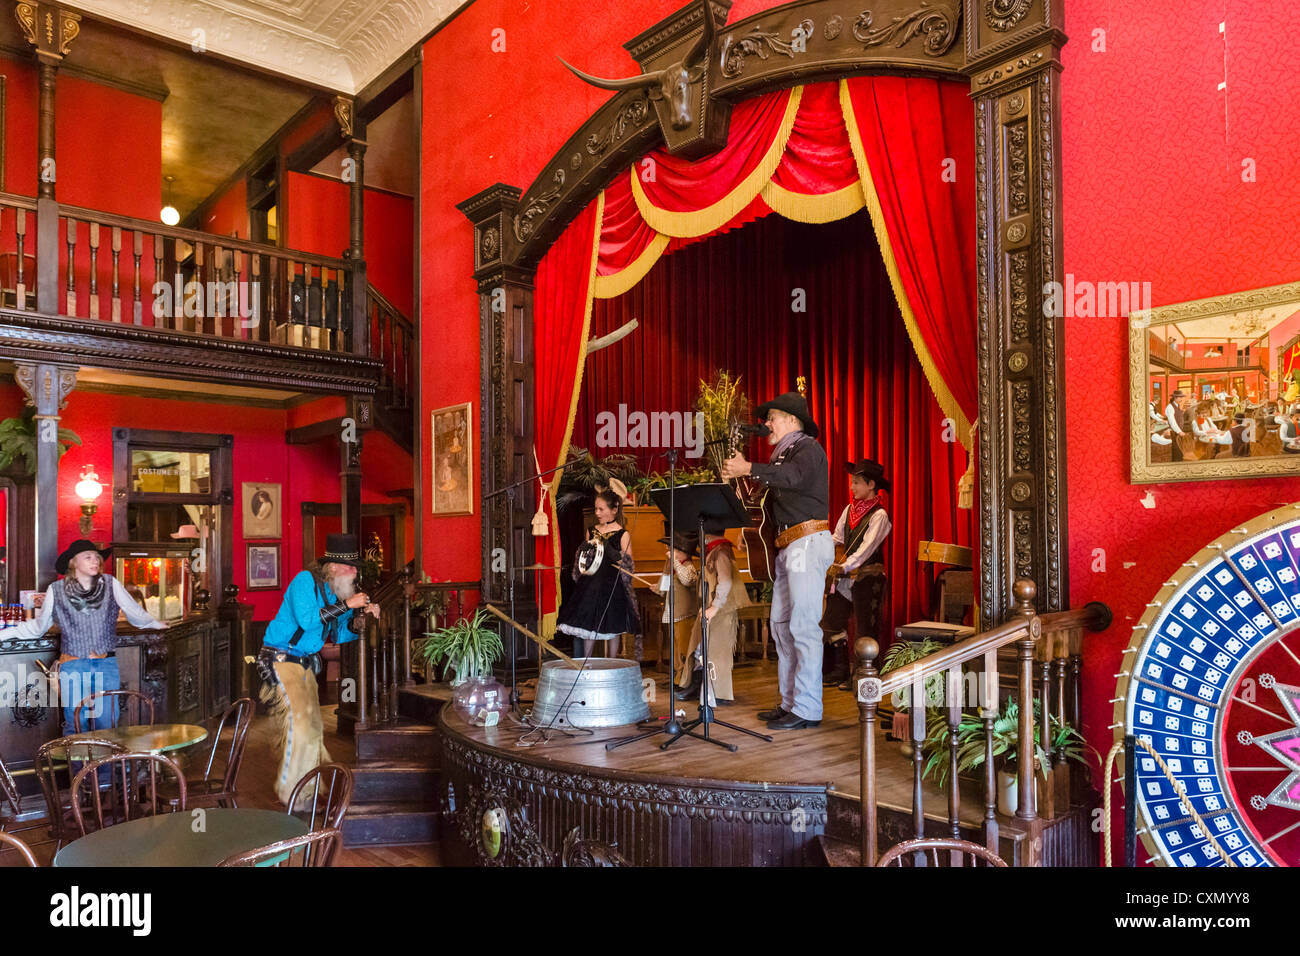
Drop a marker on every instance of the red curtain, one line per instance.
(561, 298)
(920, 146)
(727, 303)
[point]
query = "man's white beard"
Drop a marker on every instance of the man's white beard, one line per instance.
(342, 587)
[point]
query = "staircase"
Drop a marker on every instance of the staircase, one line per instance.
(392, 341)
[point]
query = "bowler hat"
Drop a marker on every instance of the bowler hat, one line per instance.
(341, 549)
(80, 546)
(871, 471)
(794, 404)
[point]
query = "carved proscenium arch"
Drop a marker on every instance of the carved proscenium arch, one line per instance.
(778, 48)
(1009, 51)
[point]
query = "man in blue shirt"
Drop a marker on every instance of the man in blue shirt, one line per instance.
(317, 609)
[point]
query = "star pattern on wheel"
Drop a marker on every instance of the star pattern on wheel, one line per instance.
(1284, 746)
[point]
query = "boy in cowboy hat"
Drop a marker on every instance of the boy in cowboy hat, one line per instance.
(680, 574)
(84, 603)
(726, 597)
(858, 582)
(316, 610)
(799, 503)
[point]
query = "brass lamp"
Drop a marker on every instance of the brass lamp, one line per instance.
(88, 490)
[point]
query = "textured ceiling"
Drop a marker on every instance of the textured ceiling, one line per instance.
(338, 44)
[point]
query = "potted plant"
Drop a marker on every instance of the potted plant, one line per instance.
(1006, 744)
(900, 654)
(18, 440)
(468, 647)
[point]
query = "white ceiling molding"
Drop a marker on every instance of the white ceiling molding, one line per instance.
(339, 44)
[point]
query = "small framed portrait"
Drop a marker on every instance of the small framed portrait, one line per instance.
(453, 461)
(263, 567)
(261, 502)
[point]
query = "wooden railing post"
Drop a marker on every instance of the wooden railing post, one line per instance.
(1025, 591)
(363, 674)
(408, 588)
(868, 689)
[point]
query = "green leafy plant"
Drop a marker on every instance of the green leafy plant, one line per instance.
(721, 403)
(469, 647)
(902, 653)
(1006, 742)
(18, 440)
(659, 479)
(584, 475)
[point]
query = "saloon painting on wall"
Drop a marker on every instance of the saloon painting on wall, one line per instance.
(453, 458)
(261, 509)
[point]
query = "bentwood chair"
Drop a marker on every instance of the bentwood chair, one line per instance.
(321, 797)
(9, 840)
(56, 763)
(133, 790)
(219, 791)
(942, 851)
(11, 805)
(121, 708)
(316, 848)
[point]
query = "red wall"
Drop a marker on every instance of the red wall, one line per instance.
(305, 472)
(498, 117)
(229, 214)
(1151, 154)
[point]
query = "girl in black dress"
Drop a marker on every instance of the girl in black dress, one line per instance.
(601, 606)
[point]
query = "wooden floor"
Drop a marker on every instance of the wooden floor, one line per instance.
(824, 755)
(256, 779)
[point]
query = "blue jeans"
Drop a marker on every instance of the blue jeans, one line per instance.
(796, 621)
(79, 679)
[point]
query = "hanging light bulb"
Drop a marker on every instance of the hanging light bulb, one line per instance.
(169, 215)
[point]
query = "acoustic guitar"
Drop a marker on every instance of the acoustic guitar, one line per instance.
(758, 540)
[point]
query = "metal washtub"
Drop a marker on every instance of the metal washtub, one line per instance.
(607, 692)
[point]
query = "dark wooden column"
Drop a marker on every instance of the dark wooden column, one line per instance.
(506, 432)
(354, 138)
(1013, 59)
(360, 412)
(46, 387)
(50, 29)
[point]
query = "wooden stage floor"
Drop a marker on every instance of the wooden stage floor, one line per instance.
(826, 755)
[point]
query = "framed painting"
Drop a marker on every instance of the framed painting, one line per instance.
(261, 509)
(453, 460)
(263, 567)
(1214, 387)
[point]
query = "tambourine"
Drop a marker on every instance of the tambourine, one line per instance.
(590, 555)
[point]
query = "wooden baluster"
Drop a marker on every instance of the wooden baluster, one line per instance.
(1026, 799)
(407, 586)
(1044, 652)
(916, 717)
(240, 308)
(158, 252)
(137, 251)
(989, 713)
(94, 272)
(382, 315)
(250, 328)
(117, 274)
(200, 320)
(293, 331)
(865, 651)
(1061, 770)
(217, 304)
(395, 679)
(1080, 781)
(363, 682)
(20, 291)
(72, 250)
(955, 689)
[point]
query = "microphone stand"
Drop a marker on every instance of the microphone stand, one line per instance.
(509, 492)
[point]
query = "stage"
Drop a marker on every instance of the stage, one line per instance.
(695, 804)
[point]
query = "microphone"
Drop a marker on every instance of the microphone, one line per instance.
(761, 431)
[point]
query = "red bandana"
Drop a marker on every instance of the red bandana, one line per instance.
(859, 509)
(708, 548)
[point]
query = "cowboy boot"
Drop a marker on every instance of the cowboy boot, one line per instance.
(838, 652)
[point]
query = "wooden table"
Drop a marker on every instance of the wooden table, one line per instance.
(168, 839)
(151, 738)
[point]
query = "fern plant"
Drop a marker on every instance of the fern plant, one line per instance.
(18, 440)
(469, 647)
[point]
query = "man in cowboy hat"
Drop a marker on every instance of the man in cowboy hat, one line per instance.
(799, 503)
(84, 603)
(316, 610)
(858, 581)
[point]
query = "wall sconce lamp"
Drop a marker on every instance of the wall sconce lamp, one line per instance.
(88, 490)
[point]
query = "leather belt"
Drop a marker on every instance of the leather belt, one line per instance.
(271, 654)
(796, 531)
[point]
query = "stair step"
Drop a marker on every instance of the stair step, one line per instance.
(403, 741)
(387, 781)
(422, 702)
(394, 822)
(838, 852)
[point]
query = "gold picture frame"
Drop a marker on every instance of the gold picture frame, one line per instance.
(1213, 360)
(260, 502)
(452, 429)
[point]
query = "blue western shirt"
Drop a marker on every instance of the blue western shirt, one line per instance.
(304, 599)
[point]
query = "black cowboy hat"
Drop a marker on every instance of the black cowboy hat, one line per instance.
(681, 541)
(796, 405)
(80, 546)
(341, 549)
(871, 471)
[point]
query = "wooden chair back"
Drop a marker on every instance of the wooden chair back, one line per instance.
(120, 708)
(322, 796)
(132, 792)
(316, 848)
(8, 840)
(9, 788)
(238, 716)
(940, 851)
(56, 763)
